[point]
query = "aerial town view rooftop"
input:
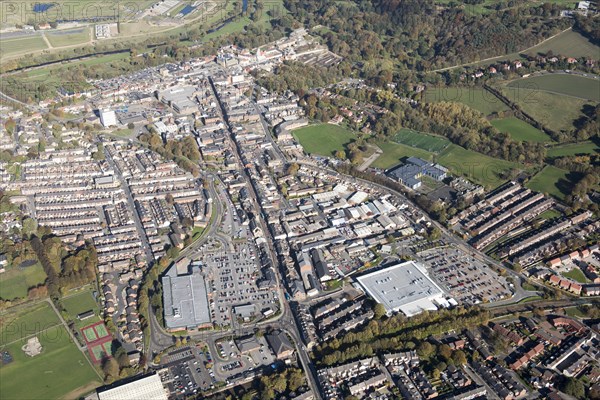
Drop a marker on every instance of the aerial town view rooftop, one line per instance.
(284, 199)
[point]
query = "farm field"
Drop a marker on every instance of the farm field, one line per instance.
(551, 180)
(324, 139)
(394, 152)
(57, 371)
(22, 322)
(474, 97)
(567, 44)
(421, 140)
(24, 45)
(573, 149)
(520, 130)
(488, 6)
(567, 84)
(475, 166)
(553, 111)
(68, 37)
(15, 281)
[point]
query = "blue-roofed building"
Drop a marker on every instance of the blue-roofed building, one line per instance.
(410, 173)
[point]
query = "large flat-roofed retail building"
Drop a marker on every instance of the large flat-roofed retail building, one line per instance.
(405, 288)
(147, 387)
(185, 298)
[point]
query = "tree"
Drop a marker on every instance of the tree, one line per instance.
(425, 349)
(131, 125)
(29, 226)
(293, 169)
(110, 367)
(340, 155)
(459, 357)
(379, 311)
(573, 387)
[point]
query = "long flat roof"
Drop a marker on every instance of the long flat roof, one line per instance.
(146, 388)
(404, 287)
(185, 298)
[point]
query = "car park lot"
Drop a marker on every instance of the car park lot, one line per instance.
(188, 370)
(233, 281)
(468, 280)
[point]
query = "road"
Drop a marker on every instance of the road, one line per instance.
(136, 218)
(286, 315)
(503, 56)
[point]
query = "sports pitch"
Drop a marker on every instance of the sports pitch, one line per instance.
(424, 141)
(58, 370)
(98, 341)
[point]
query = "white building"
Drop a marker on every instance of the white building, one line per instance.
(148, 387)
(404, 287)
(108, 118)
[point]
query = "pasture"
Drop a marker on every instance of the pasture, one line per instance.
(22, 45)
(421, 140)
(553, 111)
(60, 369)
(324, 139)
(520, 130)
(573, 149)
(551, 180)
(565, 84)
(15, 282)
(68, 37)
(567, 44)
(475, 97)
(479, 168)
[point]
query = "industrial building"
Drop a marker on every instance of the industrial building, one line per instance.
(404, 287)
(184, 297)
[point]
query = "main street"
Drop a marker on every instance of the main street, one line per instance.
(286, 313)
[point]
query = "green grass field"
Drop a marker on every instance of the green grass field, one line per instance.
(553, 181)
(15, 282)
(488, 6)
(474, 97)
(475, 166)
(324, 139)
(568, 44)
(567, 84)
(573, 149)
(394, 152)
(60, 369)
(520, 130)
(79, 303)
(11, 47)
(421, 140)
(576, 274)
(68, 37)
(22, 322)
(553, 111)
